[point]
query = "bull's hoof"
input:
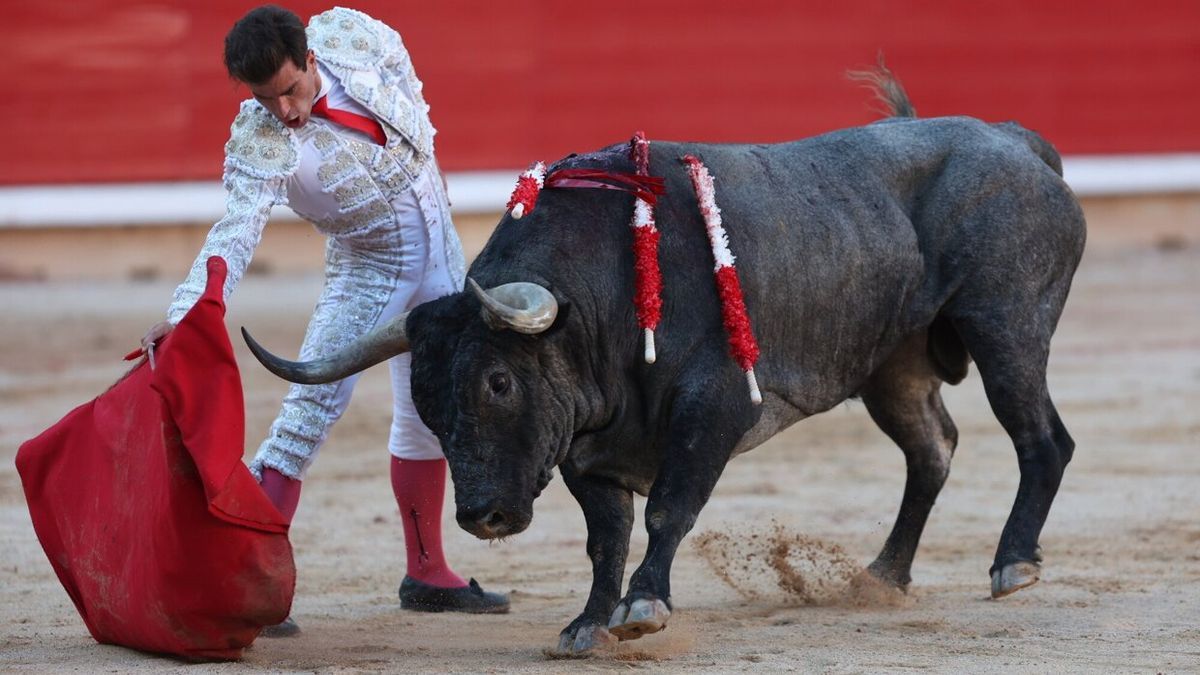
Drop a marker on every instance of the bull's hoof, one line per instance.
(584, 638)
(887, 575)
(1013, 577)
(632, 620)
(869, 589)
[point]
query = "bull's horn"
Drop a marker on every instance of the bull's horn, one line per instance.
(376, 346)
(522, 306)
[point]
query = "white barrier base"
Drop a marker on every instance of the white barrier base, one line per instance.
(477, 192)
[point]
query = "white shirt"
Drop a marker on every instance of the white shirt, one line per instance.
(304, 189)
(338, 99)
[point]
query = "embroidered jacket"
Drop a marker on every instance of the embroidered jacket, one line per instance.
(262, 157)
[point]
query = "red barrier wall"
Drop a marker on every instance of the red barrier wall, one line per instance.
(113, 90)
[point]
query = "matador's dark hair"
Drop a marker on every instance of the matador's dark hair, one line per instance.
(258, 43)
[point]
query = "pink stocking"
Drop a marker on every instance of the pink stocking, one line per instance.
(283, 492)
(419, 486)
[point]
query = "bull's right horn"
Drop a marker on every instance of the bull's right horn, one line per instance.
(376, 346)
(522, 306)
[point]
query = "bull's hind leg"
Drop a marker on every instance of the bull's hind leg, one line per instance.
(904, 399)
(1011, 353)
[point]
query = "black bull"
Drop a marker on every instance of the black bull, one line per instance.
(875, 262)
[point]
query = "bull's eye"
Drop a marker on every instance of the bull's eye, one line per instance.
(498, 383)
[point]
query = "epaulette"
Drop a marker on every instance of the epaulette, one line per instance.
(347, 38)
(260, 145)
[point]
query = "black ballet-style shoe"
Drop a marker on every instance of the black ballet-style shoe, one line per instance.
(472, 599)
(286, 628)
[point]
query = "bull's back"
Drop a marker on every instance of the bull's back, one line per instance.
(826, 255)
(850, 241)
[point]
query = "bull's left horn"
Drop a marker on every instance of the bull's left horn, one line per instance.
(522, 306)
(376, 346)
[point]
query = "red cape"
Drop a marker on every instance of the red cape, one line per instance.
(155, 527)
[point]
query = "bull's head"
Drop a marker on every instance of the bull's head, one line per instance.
(482, 386)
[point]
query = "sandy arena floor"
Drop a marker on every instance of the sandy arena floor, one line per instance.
(1121, 585)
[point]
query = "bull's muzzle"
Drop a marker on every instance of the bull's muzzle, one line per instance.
(490, 521)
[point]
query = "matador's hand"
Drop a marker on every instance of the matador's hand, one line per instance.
(156, 332)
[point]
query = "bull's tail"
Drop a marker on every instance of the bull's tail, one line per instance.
(946, 351)
(888, 91)
(887, 88)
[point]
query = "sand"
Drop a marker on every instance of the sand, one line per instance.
(769, 579)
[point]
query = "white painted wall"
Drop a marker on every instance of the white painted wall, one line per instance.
(477, 192)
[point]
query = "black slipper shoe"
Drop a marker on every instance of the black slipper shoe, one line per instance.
(421, 597)
(284, 629)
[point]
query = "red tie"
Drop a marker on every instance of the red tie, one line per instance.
(367, 125)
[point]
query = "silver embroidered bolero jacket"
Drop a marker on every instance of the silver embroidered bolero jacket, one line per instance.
(263, 156)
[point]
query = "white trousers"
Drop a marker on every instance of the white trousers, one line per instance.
(364, 289)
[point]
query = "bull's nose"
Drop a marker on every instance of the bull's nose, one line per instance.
(484, 522)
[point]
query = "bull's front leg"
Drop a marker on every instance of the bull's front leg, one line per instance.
(608, 510)
(694, 460)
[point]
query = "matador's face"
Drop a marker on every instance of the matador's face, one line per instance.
(290, 92)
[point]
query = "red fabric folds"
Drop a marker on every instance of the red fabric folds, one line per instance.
(156, 529)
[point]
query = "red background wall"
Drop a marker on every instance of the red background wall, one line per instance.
(121, 90)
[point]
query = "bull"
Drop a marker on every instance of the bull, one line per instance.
(876, 263)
